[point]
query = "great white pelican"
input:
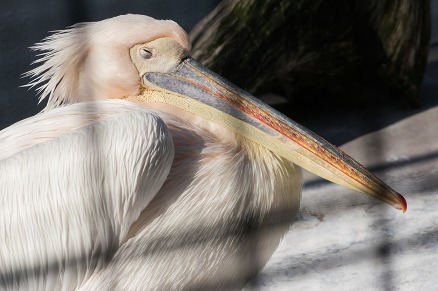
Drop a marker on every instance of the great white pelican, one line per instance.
(147, 171)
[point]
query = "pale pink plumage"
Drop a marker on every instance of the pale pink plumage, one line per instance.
(221, 212)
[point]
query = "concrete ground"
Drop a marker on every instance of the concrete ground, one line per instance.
(348, 241)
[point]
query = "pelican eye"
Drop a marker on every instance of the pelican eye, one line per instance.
(145, 53)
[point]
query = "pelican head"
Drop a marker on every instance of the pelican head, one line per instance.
(92, 60)
(141, 59)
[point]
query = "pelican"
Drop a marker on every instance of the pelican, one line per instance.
(147, 171)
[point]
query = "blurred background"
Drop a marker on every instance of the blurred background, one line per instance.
(395, 137)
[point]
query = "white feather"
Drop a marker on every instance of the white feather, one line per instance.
(219, 216)
(68, 201)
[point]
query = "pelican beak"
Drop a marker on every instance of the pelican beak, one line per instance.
(196, 89)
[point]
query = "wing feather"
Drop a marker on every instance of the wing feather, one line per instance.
(73, 180)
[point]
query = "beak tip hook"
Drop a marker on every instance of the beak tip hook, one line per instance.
(402, 203)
